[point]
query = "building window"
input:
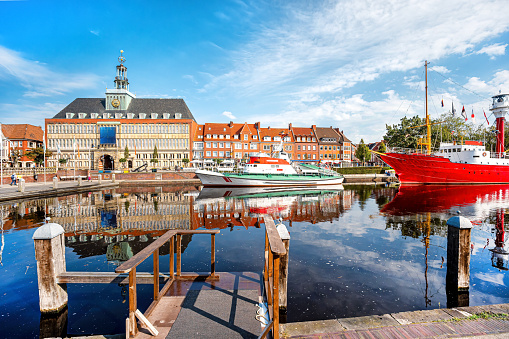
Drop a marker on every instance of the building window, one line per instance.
(246, 146)
(254, 146)
(208, 153)
(298, 148)
(266, 147)
(246, 137)
(214, 154)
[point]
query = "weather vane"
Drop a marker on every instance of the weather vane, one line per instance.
(121, 58)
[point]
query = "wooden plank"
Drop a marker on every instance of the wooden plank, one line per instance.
(145, 322)
(275, 242)
(179, 254)
(156, 274)
(172, 257)
(144, 253)
(198, 231)
(107, 278)
(212, 254)
(275, 294)
(197, 276)
(127, 328)
(266, 330)
(154, 303)
(132, 302)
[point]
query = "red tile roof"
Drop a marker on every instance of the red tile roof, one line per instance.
(23, 132)
(274, 132)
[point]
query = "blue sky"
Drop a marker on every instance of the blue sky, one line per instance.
(356, 65)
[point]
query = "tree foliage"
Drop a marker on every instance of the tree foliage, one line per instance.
(37, 155)
(362, 152)
(126, 153)
(446, 128)
(155, 156)
(382, 148)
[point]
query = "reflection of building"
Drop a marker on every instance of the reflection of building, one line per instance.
(94, 132)
(500, 257)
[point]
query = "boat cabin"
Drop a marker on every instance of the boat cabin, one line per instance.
(470, 152)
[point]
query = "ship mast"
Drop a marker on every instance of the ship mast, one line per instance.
(428, 126)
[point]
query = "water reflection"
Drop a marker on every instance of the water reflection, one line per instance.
(355, 250)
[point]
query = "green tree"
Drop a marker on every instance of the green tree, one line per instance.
(362, 153)
(15, 156)
(155, 156)
(382, 148)
(126, 153)
(185, 161)
(122, 161)
(62, 161)
(37, 155)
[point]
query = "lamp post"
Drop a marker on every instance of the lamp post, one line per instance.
(90, 158)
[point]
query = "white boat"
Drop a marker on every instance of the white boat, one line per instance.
(276, 170)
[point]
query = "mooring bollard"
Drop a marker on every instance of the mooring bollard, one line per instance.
(79, 181)
(50, 255)
(113, 177)
(100, 179)
(55, 182)
(21, 185)
(458, 261)
(283, 271)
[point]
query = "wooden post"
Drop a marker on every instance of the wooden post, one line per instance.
(275, 306)
(50, 255)
(179, 254)
(283, 270)
(172, 257)
(156, 274)
(113, 177)
(458, 261)
(213, 255)
(133, 306)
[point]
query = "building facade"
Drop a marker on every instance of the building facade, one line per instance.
(121, 131)
(271, 138)
(306, 144)
(17, 140)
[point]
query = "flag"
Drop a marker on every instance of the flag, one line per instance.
(135, 148)
(473, 116)
(464, 113)
(452, 132)
(453, 110)
(486, 117)
(78, 145)
(442, 102)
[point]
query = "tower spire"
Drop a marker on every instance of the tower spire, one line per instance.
(121, 81)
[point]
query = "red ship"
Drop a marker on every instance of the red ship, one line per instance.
(455, 163)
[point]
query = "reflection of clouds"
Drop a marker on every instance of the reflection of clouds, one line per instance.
(494, 278)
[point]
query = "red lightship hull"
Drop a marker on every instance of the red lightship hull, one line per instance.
(429, 169)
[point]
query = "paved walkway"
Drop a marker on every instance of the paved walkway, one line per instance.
(462, 322)
(43, 190)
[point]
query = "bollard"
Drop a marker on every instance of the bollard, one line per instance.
(50, 256)
(21, 185)
(79, 181)
(283, 271)
(113, 178)
(100, 179)
(55, 183)
(458, 261)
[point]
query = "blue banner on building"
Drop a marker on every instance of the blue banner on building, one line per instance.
(108, 135)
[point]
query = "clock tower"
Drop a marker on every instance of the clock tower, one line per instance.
(119, 98)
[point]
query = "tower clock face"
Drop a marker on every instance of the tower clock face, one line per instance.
(115, 103)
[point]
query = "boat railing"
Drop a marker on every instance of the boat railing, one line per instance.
(402, 150)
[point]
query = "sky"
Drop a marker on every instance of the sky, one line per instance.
(356, 65)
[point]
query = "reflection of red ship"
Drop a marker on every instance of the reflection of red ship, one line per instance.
(417, 199)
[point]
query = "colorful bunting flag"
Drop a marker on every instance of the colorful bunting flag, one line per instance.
(442, 102)
(453, 110)
(473, 116)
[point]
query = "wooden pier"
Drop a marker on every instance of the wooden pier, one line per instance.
(188, 304)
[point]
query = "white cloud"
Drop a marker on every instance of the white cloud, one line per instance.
(95, 32)
(440, 69)
(229, 115)
(493, 50)
(27, 113)
(38, 79)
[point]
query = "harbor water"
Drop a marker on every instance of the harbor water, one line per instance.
(354, 250)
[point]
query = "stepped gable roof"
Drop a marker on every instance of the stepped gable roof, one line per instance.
(303, 131)
(137, 106)
(274, 132)
(324, 133)
(342, 136)
(23, 132)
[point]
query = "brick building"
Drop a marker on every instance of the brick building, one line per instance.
(94, 132)
(230, 140)
(21, 138)
(306, 144)
(270, 139)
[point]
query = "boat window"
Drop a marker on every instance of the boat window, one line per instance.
(454, 150)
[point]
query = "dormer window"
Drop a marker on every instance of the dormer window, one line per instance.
(153, 115)
(106, 115)
(255, 137)
(214, 136)
(227, 136)
(236, 136)
(266, 138)
(69, 115)
(130, 115)
(142, 115)
(298, 138)
(178, 115)
(82, 115)
(277, 138)
(94, 115)
(166, 115)
(224, 129)
(118, 115)
(199, 128)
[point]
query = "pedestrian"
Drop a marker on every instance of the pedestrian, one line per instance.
(89, 178)
(13, 179)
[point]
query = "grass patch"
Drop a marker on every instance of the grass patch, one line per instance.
(484, 315)
(362, 170)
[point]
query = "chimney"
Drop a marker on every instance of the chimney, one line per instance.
(313, 127)
(257, 125)
(289, 126)
(268, 128)
(230, 124)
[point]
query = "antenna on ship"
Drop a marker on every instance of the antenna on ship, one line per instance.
(428, 125)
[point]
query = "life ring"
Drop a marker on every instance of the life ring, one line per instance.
(484, 154)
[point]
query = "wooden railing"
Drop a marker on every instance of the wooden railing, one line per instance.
(274, 249)
(153, 249)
